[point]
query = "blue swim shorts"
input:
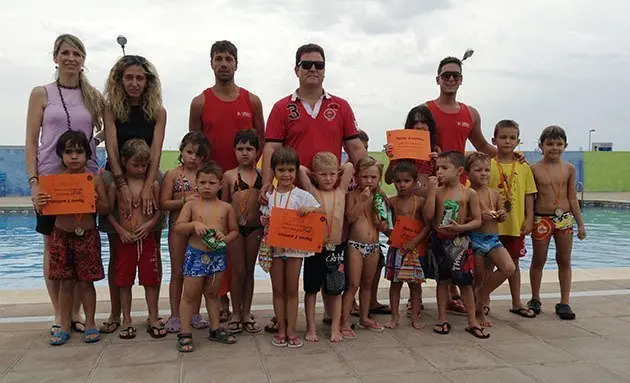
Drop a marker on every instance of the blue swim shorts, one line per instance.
(483, 244)
(200, 263)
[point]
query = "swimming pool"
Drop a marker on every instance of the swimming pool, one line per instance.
(21, 247)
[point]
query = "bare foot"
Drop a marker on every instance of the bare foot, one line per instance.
(481, 318)
(416, 324)
(311, 336)
(335, 336)
(393, 323)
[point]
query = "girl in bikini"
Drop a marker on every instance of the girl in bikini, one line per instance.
(365, 221)
(240, 188)
(178, 188)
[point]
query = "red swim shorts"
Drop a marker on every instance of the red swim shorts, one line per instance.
(514, 245)
(76, 257)
(142, 255)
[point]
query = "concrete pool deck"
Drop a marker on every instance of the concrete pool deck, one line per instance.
(593, 348)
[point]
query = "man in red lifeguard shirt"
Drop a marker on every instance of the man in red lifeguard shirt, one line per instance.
(220, 112)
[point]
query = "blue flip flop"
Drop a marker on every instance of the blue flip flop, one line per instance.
(60, 338)
(90, 332)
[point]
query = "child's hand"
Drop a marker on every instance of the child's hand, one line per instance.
(219, 236)
(581, 232)
(366, 195)
(40, 200)
(264, 219)
(526, 227)
(501, 215)
(388, 150)
(433, 155)
(142, 231)
(126, 237)
(488, 215)
(411, 245)
(452, 228)
(304, 211)
(200, 229)
(433, 183)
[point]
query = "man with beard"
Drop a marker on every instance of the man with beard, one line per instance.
(220, 112)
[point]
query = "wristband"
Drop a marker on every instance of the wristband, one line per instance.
(33, 179)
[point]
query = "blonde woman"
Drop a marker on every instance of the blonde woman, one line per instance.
(133, 109)
(68, 103)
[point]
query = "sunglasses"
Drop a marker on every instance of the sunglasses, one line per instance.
(307, 65)
(447, 76)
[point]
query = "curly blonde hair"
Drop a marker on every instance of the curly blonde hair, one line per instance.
(92, 98)
(116, 97)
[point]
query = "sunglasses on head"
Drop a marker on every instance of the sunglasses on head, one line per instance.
(307, 65)
(134, 59)
(447, 75)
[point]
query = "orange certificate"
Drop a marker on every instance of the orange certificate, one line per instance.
(405, 229)
(288, 230)
(70, 193)
(409, 143)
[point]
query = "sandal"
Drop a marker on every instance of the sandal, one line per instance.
(224, 315)
(221, 335)
(456, 306)
(108, 327)
(252, 327)
(486, 310)
(535, 305)
(235, 327)
(198, 322)
(77, 326)
(525, 313)
(355, 312)
(294, 342)
(564, 311)
(54, 329)
(272, 328)
(91, 335)
(127, 333)
(477, 332)
(348, 334)
(381, 309)
(156, 331)
(372, 326)
(59, 338)
(279, 341)
(442, 328)
(173, 325)
(185, 342)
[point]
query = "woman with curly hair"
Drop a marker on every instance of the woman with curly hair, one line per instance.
(68, 103)
(133, 109)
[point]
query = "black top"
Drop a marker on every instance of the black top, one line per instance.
(137, 126)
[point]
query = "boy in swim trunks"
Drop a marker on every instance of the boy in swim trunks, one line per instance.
(487, 247)
(555, 209)
(325, 271)
(211, 225)
(454, 211)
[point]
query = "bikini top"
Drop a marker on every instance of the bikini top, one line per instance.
(182, 184)
(240, 185)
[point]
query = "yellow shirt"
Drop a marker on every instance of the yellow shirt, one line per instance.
(522, 183)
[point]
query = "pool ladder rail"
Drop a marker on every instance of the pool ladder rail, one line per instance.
(580, 187)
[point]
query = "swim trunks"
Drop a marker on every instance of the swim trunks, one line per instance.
(202, 263)
(327, 270)
(75, 257)
(450, 259)
(141, 255)
(483, 244)
(545, 226)
(514, 245)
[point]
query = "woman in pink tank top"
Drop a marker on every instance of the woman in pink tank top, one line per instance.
(69, 103)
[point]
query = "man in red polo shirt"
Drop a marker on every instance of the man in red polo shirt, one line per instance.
(220, 112)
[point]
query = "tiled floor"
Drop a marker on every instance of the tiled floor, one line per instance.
(593, 348)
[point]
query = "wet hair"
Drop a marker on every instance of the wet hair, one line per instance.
(224, 46)
(506, 124)
(325, 159)
(405, 167)
(195, 138)
(476, 157)
(73, 139)
(135, 148)
(449, 60)
(247, 136)
(308, 48)
(553, 132)
(363, 136)
(456, 158)
(421, 113)
(210, 167)
(285, 155)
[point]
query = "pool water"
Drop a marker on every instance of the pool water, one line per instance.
(21, 248)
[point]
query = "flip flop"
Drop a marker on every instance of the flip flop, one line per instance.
(109, 327)
(525, 313)
(60, 338)
(279, 341)
(91, 335)
(157, 331)
(198, 322)
(564, 311)
(252, 327)
(273, 327)
(445, 328)
(477, 332)
(77, 326)
(127, 333)
(382, 309)
(348, 334)
(372, 327)
(235, 327)
(294, 342)
(173, 325)
(534, 305)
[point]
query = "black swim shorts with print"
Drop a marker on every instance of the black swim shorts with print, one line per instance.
(327, 270)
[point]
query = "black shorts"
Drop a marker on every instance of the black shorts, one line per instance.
(327, 270)
(45, 224)
(450, 260)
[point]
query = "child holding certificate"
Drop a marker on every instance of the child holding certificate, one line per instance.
(286, 263)
(135, 246)
(75, 248)
(403, 263)
(325, 271)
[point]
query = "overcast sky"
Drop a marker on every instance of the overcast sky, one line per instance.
(538, 62)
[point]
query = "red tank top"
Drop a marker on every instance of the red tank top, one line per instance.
(453, 129)
(221, 121)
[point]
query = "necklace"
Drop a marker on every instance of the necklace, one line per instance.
(330, 246)
(506, 181)
(288, 198)
(415, 205)
(63, 102)
(558, 211)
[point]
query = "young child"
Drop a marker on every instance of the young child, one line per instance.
(485, 240)
(178, 187)
(406, 204)
(211, 225)
(240, 188)
(454, 210)
(365, 221)
(135, 245)
(325, 271)
(555, 209)
(514, 181)
(75, 248)
(286, 264)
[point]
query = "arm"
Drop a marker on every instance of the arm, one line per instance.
(429, 206)
(166, 196)
(183, 226)
(194, 118)
(500, 213)
(573, 203)
(475, 213)
(125, 236)
(476, 135)
(526, 228)
(102, 201)
(354, 209)
(347, 172)
(305, 180)
(232, 226)
(111, 146)
(389, 173)
(355, 150)
(226, 192)
(150, 204)
(259, 118)
(267, 172)
(35, 114)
